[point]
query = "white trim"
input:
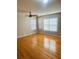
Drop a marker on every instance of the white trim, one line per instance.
(25, 35)
(54, 34)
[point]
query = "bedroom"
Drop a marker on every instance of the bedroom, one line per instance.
(39, 29)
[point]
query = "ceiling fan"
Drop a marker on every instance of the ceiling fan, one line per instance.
(30, 15)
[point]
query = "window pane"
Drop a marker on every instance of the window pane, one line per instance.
(46, 21)
(46, 27)
(46, 24)
(53, 24)
(33, 24)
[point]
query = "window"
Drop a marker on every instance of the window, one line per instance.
(33, 24)
(50, 24)
(53, 24)
(46, 24)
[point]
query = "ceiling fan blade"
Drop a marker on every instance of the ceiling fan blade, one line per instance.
(34, 15)
(30, 15)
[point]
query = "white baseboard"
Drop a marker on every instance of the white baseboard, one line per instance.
(25, 35)
(54, 34)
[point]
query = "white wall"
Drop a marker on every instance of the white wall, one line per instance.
(24, 25)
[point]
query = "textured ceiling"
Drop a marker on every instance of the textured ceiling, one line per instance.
(38, 7)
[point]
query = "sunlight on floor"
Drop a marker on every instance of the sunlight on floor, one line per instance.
(50, 44)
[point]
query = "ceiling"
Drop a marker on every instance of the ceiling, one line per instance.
(39, 7)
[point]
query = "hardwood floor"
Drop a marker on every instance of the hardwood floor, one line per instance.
(39, 46)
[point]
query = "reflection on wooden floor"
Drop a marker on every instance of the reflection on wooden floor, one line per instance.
(39, 46)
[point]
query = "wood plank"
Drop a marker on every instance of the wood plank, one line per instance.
(39, 46)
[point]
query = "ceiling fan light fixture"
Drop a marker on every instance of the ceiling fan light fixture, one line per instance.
(30, 15)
